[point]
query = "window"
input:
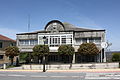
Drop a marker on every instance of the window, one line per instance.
(21, 42)
(63, 40)
(11, 44)
(41, 40)
(54, 24)
(46, 41)
(1, 44)
(1, 56)
(91, 40)
(57, 40)
(97, 40)
(69, 39)
(54, 41)
(28, 42)
(84, 40)
(78, 41)
(33, 42)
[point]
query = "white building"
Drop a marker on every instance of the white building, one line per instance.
(59, 33)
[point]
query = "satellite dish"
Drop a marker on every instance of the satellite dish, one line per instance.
(104, 44)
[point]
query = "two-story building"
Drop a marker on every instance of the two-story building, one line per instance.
(5, 42)
(59, 33)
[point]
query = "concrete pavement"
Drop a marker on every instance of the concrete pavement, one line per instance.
(83, 74)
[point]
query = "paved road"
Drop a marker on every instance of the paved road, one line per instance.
(17, 75)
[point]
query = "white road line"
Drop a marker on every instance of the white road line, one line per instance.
(77, 76)
(117, 75)
(13, 75)
(38, 76)
(59, 76)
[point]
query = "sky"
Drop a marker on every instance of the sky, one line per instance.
(92, 14)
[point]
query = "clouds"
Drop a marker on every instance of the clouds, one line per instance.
(11, 33)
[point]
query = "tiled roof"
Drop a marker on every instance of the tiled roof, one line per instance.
(5, 38)
(68, 27)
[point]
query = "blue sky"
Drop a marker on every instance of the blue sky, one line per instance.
(95, 14)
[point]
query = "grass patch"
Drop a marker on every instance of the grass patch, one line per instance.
(11, 66)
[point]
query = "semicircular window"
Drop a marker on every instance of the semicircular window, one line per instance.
(54, 27)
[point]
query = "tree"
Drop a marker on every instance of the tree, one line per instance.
(88, 49)
(66, 50)
(39, 50)
(12, 51)
(115, 57)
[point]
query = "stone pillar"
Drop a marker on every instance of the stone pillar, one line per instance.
(73, 61)
(4, 66)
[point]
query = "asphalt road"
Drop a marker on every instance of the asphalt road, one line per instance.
(16, 75)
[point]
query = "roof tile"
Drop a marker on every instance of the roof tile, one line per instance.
(5, 38)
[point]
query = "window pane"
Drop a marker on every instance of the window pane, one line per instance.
(26, 42)
(21, 42)
(1, 44)
(33, 42)
(11, 44)
(54, 41)
(97, 40)
(58, 40)
(91, 40)
(78, 41)
(46, 41)
(63, 40)
(84, 40)
(1, 56)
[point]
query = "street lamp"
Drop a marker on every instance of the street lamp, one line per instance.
(44, 39)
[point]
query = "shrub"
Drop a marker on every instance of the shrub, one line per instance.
(24, 57)
(88, 49)
(66, 49)
(116, 57)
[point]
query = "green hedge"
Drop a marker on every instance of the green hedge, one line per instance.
(116, 57)
(24, 57)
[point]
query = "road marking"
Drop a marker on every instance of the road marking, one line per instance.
(75, 76)
(38, 76)
(59, 76)
(13, 75)
(117, 75)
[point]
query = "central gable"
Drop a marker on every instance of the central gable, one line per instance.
(54, 26)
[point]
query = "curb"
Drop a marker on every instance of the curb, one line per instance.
(79, 70)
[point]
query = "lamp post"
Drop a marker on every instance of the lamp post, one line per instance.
(44, 39)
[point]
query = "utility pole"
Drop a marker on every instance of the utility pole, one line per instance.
(28, 22)
(44, 39)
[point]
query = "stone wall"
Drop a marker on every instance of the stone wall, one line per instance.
(73, 66)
